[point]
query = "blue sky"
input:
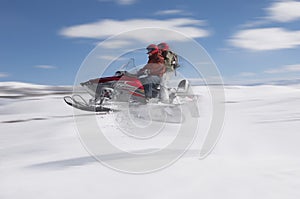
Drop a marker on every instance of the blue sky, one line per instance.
(45, 42)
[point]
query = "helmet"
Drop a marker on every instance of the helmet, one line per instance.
(152, 49)
(163, 46)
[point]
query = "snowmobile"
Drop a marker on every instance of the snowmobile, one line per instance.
(108, 94)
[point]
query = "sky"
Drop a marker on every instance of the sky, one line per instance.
(45, 42)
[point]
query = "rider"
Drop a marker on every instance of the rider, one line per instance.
(154, 70)
(171, 59)
(164, 49)
(168, 60)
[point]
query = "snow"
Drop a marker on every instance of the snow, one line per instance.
(258, 155)
(20, 89)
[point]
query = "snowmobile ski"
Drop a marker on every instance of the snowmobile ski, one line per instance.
(85, 106)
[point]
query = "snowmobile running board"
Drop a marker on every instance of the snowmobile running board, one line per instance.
(85, 106)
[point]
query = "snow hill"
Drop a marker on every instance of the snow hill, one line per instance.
(258, 155)
(20, 89)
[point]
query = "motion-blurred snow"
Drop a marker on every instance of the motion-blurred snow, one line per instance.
(258, 155)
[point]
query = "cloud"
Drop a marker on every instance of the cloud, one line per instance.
(109, 27)
(107, 57)
(114, 44)
(270, 38)
(171, 12)
(285, 69)
(121, 2)
(45, 66)
(2, 75)
(111, 58)
(126, 2)
(266, 39)
(279, 11)
(284, 11)
(261, 21)
(246, 74)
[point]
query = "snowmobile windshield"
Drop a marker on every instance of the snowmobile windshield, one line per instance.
(129, 66)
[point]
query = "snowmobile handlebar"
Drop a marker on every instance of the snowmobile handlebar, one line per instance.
(120, 73)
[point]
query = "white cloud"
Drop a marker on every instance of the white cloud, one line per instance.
(2, 75)
(266, 39)
(111, 58)
(285, 69)
(171, 12)
(279, 11)
(271, 38)
(106, 57)
(45, 66)
(114, 44)
(284, 11)
(246, 74)
(126, 2)
(121, 2)
(109, 27)
(256, 23)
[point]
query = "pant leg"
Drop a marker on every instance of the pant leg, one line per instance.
(164, 93)
(148, 83)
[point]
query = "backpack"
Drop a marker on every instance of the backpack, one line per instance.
(171, 60)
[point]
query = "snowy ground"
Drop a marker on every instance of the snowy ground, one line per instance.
(258, 155)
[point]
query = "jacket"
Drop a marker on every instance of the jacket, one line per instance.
(155, 65)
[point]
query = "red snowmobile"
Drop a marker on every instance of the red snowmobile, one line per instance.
(108, 93)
